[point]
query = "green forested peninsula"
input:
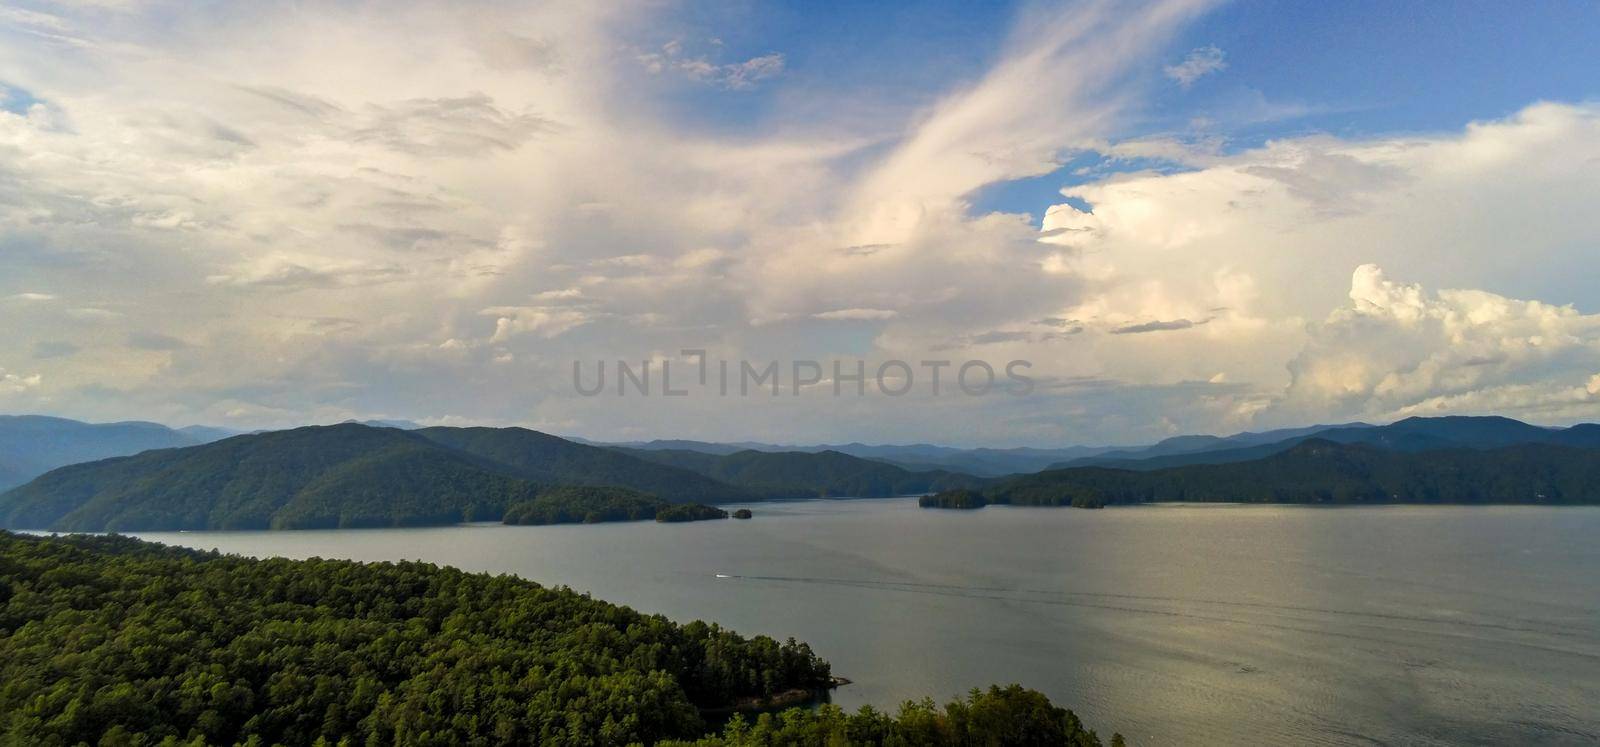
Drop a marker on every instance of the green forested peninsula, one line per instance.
(103, 638)
(1319, 471)
(583, 505)
(109, 640)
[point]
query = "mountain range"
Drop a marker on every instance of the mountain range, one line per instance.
(1412, 434)
(356, 474)
(981, 462)
(347, 475)
(1318, 470)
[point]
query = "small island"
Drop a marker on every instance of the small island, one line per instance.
(962, 498)
(743, 513)
(677, 512)
(595, 505)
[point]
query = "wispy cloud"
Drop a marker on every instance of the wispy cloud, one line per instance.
(856, 314)
(362, 207)
(1200, 63)
(734, 75)
(1157, 326)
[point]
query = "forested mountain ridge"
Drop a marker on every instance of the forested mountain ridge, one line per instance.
(1322, 471)
(347, 475)
(553, 460)
(797, 474)
(319, 476)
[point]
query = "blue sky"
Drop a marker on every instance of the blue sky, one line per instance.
(1358, 69)
(1352, 69)
(1239, 214)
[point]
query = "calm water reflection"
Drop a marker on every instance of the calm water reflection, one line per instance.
(1218, 624)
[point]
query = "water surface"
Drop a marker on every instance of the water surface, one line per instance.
(1171, 624)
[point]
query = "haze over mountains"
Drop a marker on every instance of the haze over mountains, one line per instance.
(982, 462)
(1411, 434)
(795, 474)
(31, 445)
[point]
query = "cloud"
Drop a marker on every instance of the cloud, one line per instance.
(287, 272)
(543, 322)
(46, 349)
(11, 383)
(1201, 62)
(1264, 241)
(93, 314)
(1156, 326)
(1056, 321)
(1053, 89)
(746, 74)
(355, 210)
(1398, 349)
(33, 297)
(856, 314)
(734, 76)
(459, 126)
(155, 341)
(563, 295)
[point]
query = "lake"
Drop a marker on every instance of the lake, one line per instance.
(1216, 624)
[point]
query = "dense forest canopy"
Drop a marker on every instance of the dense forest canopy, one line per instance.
(584, 505)
(680, 512)
(998, 716)
(109, 640)
(581, 505)
(108, 635)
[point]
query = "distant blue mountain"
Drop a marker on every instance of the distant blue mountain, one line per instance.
(984, 462)
(31, 445)
(1317, 470)
(205, 434)
(808, 474)
(1411, 435)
